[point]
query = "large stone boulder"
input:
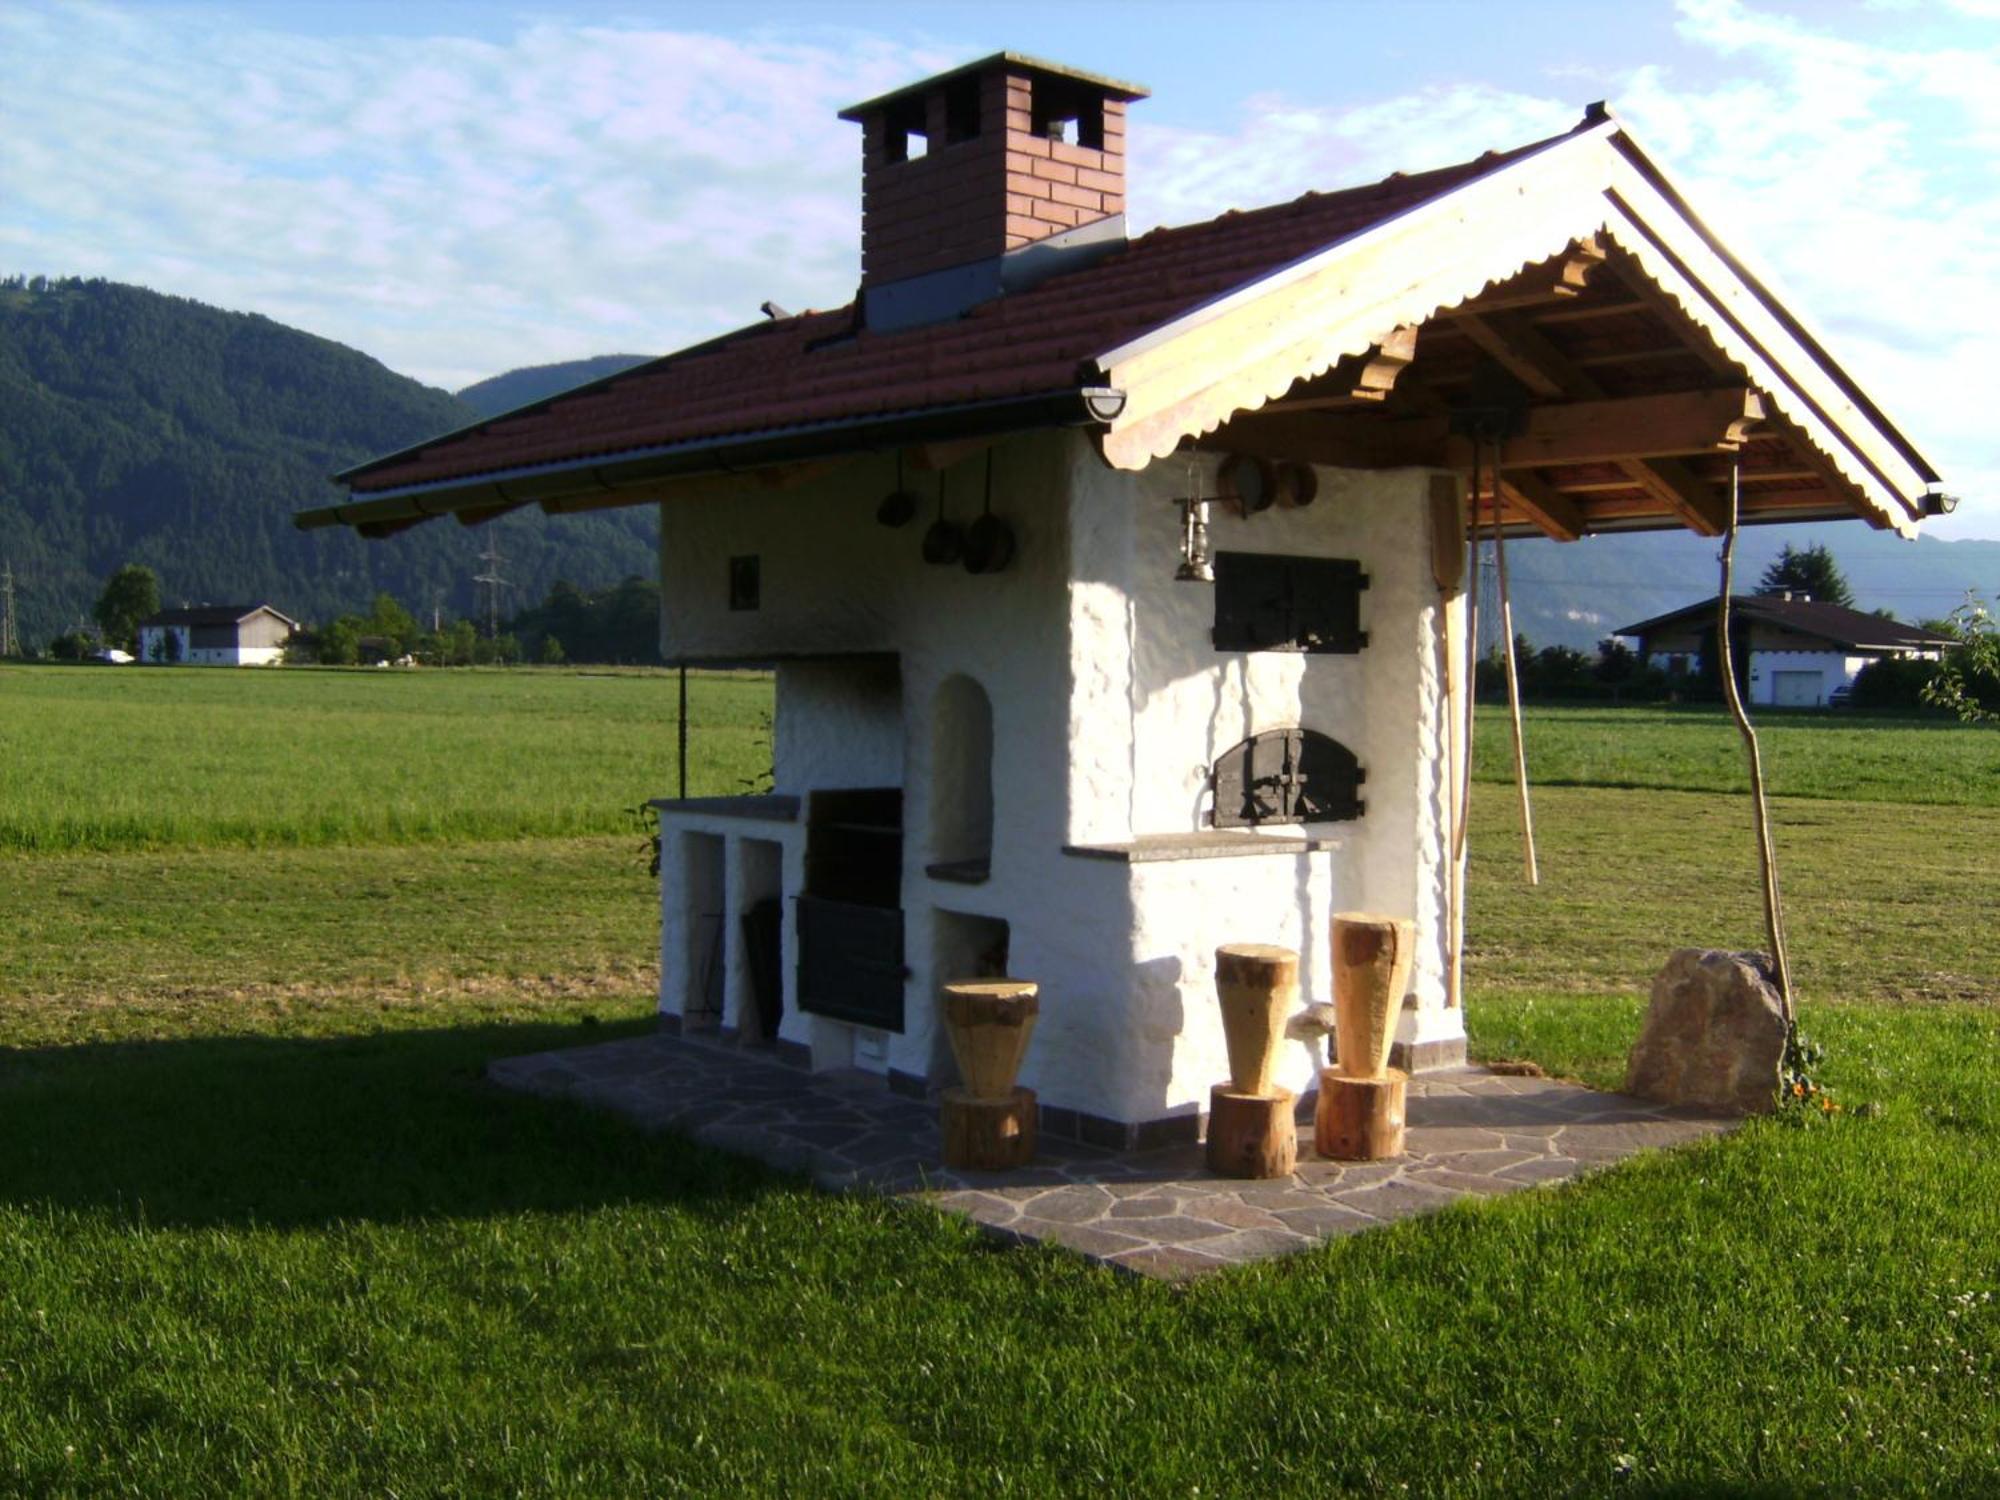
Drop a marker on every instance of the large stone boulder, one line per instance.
(1714, 1036)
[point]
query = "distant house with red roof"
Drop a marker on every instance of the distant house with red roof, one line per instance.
(1118, 588)
(1794, 651)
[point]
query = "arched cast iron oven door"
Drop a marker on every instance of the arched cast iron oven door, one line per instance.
(1286, 776)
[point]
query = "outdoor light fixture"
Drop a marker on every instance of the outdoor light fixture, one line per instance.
(1195, 566)
(1938, 503)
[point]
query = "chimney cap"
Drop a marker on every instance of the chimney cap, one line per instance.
(1019, 62)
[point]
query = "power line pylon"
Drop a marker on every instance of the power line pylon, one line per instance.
(10, 637)
(493, 582)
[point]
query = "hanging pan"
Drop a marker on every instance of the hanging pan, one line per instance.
(899, 506)
(944, 543)
(989, 541)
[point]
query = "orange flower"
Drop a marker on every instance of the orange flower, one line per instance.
(1799, 1090)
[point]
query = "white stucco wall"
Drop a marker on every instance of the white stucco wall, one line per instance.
(205, 656)
(1109, 705)
(1836, 669)
(1154, 704)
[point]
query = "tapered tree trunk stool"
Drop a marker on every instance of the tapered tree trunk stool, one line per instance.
(1251, 1128)
(987, 1122)
(1362, 1100)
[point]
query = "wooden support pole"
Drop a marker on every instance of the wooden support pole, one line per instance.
(1767, 859)
(681, 732)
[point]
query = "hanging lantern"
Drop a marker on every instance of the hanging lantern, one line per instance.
(1195, 566)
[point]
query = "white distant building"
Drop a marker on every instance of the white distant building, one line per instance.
(1792, 651)
(1044, 709)
(215, 635)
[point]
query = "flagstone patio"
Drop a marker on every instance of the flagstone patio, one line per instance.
(1159, 1212)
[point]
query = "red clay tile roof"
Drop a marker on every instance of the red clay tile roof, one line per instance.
(807, 369)
(1815, 617)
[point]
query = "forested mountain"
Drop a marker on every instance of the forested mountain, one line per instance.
(500, 393)
(138, 427)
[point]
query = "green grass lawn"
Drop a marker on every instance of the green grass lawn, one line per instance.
(100, 758)
(264, 1231)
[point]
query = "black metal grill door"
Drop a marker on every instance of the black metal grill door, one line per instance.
(1287, 776)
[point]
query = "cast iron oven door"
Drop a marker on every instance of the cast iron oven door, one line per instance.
(1265, 602)
(850, 913)
(1286, 776)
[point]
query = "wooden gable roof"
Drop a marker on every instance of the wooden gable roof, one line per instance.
(1652, 366)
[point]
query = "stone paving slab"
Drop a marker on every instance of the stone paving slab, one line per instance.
(1158, 1213)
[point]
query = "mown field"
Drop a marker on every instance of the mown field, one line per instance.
(264, 1231)
(94, 758)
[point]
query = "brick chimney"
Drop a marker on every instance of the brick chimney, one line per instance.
(984, 180)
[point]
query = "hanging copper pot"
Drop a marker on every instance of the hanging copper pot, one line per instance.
(1298, 485)
(899, 506)
(944, 543)
(989, 541)
(1246, 485)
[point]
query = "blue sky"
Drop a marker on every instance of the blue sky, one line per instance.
(460, 188)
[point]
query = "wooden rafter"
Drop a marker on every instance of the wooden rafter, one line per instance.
(1579, 432)
(1557, 279)
(1542, 503)
(1532, 358)
(1357, 381)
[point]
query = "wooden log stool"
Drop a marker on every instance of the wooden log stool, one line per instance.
(988, 1135)
(1362, 1099)
(1252, 1131)
(1360, 1119)
(987, 1122)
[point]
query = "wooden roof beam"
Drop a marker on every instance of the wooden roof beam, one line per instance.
(1555, 513)
(1579, 432)
(1684, 492)
(1531, 357)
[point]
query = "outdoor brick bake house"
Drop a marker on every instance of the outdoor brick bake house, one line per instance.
(1199, 679)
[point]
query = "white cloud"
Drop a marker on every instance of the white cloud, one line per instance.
(454, 206)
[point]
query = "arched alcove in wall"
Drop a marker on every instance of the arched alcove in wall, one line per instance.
(962, 774)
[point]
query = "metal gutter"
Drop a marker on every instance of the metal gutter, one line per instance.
(1082, 406)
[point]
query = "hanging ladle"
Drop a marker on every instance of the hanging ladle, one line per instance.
(899, 506)
(944, 543)
(989, 541)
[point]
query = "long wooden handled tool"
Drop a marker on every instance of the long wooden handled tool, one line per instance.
(1448, 525)
(1533, 870)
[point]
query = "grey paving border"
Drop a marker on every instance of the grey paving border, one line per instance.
(1157, 1213)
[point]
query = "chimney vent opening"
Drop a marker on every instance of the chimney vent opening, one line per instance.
(961, 110)
(1063, 112)
(905, 132)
